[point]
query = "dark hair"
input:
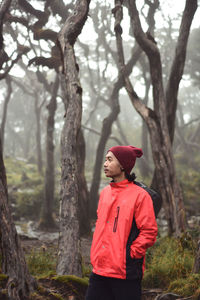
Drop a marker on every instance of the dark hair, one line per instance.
(131, 177)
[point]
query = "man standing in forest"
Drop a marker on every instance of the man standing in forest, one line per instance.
(125, 228)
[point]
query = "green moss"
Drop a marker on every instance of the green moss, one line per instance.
(48, 274)
(3, 280)
(3, 277)
(168, 260)
(16, 169)
(71, 279)
(186, 286)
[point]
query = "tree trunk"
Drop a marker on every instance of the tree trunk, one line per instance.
(83, 199)
(69, 240)
(196, 267)
(178, 64)
(38, 136)
(47, 220)
(4, 116)
(20, 283)
(156, 121)
(144, 163)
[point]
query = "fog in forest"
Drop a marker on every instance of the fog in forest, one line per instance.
(65, 101)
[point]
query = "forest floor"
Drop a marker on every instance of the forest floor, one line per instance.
(41, 252)
(70, 291)
(35, 244)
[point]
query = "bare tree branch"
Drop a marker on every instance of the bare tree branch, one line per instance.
(99, 133)
(24, 50)
(178, 64)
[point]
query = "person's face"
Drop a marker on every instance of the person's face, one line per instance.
(112, 167)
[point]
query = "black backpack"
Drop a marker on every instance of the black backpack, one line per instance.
(155, 196)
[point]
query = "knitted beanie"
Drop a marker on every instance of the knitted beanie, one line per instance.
(126, 155)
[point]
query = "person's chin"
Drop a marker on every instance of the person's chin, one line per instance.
(107, 174)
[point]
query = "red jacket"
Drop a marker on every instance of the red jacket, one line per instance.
(125, 228)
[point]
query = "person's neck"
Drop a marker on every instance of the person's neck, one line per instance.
(119, 178)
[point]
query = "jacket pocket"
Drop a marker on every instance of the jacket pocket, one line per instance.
(116, 220)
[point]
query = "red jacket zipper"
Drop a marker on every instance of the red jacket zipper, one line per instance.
(116, 220)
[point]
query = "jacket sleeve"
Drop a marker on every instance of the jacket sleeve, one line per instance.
(146, 223)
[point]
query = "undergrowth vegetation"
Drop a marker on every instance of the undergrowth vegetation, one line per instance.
(26, 189)
(42, 262)
(169, 266)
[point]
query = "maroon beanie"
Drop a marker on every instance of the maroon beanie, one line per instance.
(126, 155)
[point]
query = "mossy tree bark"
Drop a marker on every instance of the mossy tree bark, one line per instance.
(47, 221)
(156, 119)
(68, 248)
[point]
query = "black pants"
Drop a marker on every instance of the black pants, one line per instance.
(106, 288)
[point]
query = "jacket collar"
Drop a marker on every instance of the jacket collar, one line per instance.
(122, 184)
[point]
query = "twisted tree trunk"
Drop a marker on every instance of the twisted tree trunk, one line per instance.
(68, 249)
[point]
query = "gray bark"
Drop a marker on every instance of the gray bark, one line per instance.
(178, 64)
(68, 249)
